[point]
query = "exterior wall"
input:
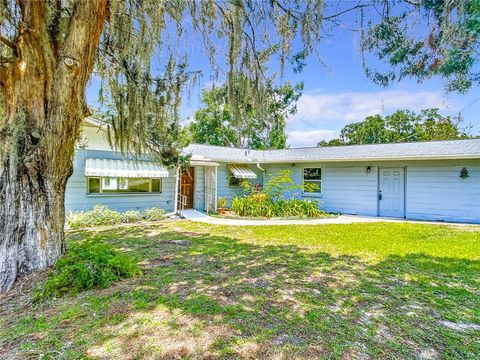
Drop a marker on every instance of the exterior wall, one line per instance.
(94, 138)
(77, 199)
(433, 189)
(436, 192)
(350, 190)
(224, 190)
(347, 189)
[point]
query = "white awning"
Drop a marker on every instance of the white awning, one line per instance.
(242, 171)
(124, 168)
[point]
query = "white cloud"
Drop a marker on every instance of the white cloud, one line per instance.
(310, 138)
(337, 109)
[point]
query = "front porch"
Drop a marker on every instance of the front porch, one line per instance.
(200, 186)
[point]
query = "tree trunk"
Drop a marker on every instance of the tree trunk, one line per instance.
(33, 216)
(43, 107)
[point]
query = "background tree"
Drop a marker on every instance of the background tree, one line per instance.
(248, 127)
(423, 38)
(401, 126)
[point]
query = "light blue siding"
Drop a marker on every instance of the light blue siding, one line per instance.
(224, 190)
(76, 197)
(349, 190)
(296, 174)
(433, 189)
(437, 192)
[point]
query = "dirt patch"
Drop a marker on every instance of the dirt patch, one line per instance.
(175, 242)
(462, 327)
(157, 262)
(20, 296)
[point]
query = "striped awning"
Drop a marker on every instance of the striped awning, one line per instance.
(242, 171)
(124, 168)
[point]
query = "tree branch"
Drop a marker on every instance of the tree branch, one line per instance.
(8, 43)
(359, 6)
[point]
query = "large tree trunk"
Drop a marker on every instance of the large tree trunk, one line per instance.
(43, 94)
(32, 208)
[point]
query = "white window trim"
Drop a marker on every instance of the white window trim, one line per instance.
(101, 193)
(312, 194)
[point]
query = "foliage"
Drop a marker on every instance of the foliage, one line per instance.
(260, 205)
(131, 216)
(146, 102)
(154, 214)
(87, 265)
(420, 39)
(401, 126)
(103, 215)
(100, 215)
(269, 200)
(277, 185)
(247, 126)
(222, 202)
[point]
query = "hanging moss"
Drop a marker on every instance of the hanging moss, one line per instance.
(141, 103)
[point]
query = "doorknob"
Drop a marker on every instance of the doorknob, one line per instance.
(379, 194)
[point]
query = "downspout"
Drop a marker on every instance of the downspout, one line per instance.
(175, 207)
(263, 172)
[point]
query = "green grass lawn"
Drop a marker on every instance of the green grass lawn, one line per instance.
(375, 290)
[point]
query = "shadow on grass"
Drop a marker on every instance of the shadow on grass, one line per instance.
(217, 297)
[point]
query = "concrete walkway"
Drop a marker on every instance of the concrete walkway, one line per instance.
(198, 216)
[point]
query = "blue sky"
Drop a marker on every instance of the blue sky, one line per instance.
(340, 93)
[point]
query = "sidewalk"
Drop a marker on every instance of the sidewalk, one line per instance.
(197, 216)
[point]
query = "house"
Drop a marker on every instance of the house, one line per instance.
(438, 180)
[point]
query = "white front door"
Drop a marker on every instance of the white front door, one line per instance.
(391, 192)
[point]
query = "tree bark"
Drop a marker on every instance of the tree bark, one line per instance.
(43, 93)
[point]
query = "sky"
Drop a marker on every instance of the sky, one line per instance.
(339, 93)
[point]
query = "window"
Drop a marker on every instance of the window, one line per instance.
(312, 180)
(233, 181)
(117, 185)
(93, 185)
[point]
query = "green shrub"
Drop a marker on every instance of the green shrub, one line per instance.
(131, 216)
(85, 266)
(154, 214)
(260, 205)
(100, 215)
(269, 201)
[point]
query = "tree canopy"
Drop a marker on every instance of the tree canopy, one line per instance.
(424, 38)
(401, 126)
(217, 124)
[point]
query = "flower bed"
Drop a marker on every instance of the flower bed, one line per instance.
(269, 201)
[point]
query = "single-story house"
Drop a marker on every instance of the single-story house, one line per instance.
(438, 180)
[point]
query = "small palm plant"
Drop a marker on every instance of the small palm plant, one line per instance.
(222, 204)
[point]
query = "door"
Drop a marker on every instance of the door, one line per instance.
(210, 188)
(391, 192)
(186, 187)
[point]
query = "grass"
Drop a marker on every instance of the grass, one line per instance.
(375, 290)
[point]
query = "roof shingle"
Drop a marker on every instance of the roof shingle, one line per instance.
(451, 149)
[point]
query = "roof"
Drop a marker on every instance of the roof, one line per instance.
(90, 120)
(433, 150)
